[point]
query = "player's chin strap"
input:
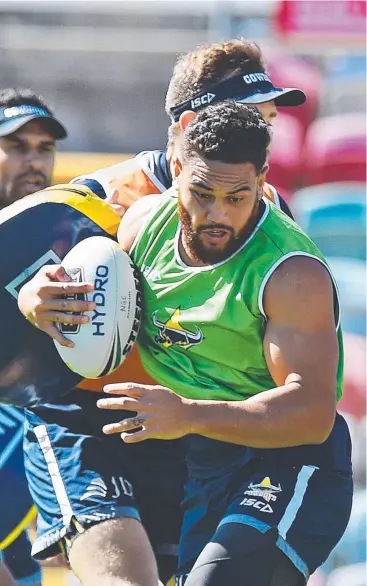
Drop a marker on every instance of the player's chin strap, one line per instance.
(239, 88)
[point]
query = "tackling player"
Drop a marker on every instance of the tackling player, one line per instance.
(241, 329)
(28, 132)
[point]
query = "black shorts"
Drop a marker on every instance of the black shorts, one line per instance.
(307, 503)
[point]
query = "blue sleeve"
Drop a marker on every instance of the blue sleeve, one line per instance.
(92, 184)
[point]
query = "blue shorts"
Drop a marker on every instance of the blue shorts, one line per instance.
(13, 482)
(18, 559)
(16, 505)
(78, 476)
(305, 493)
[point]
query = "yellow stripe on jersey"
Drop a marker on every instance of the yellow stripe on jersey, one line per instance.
(80, 197)
(32, 513)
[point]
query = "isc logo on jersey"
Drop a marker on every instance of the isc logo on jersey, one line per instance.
(202, 100)
(103, 344)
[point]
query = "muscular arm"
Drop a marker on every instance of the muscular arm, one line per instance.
(301, 352)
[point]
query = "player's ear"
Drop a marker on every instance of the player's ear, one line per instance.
(186, 118)
(262, 175)
(261, 180)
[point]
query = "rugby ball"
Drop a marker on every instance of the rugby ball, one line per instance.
(101, 345)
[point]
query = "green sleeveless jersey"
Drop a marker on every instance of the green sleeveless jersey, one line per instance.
(203, 327)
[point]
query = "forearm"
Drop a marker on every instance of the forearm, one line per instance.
(279, 417)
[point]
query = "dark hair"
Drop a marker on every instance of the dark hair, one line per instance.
(19, 97)
(229, 132)
(207, 64)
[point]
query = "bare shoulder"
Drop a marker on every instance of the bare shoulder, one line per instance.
(301, 285)
(135, 218)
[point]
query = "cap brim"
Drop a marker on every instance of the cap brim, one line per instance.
(12, 125)
(282, 97)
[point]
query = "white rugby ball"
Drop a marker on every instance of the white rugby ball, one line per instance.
(101, 345)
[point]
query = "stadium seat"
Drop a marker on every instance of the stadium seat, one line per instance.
(347, 66)
(335, 150)
(350, 276)
(285, 156)
(334, 216)
(353, 575)
(354, 394)
(344, 89)
(293, 71)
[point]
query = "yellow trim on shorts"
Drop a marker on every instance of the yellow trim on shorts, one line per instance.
(32, 513)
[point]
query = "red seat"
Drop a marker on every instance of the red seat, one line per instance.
(335, 150)
(354, 396)
(291, 71)
(285, 155)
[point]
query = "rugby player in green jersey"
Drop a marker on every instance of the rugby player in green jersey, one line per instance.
(223, 327)
(241, 331)
(230, 70)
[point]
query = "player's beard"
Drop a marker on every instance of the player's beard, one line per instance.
(8, 195)
(211, 256)
(12, 191)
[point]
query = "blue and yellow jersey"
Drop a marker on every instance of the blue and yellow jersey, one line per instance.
(37, 230)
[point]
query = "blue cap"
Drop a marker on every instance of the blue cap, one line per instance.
(14, 117)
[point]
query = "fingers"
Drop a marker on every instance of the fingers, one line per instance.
(64, 304)
(55, 333)
(59, 317)
(55, 273)
(118, 404)
(129, 389)
(113, 428)
(54, 280)
(49, 289)
(128, 424)
(48, 324)
(136, 437)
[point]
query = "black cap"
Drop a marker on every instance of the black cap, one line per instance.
(251, 88)
(14, 117)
